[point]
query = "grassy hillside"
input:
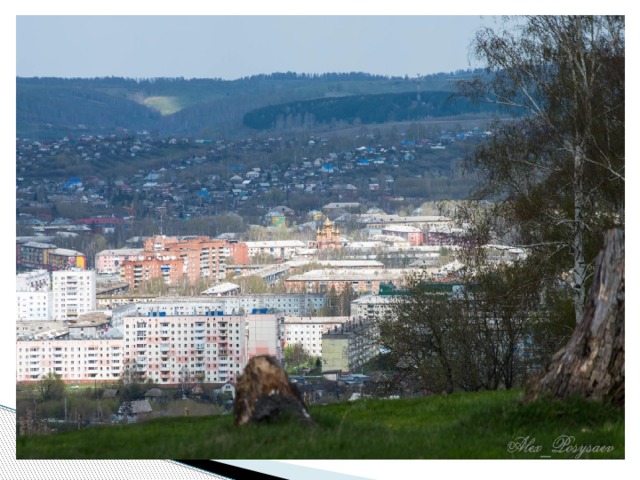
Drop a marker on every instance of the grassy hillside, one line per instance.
(465, 425)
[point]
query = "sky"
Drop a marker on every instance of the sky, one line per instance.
(232, 46)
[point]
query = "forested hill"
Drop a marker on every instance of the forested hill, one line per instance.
(363, 109)
(55, 107)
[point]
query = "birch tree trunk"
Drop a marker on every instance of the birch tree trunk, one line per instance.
(579, 265)
(592, 363)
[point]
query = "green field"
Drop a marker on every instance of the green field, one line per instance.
(488, 425)
(164, 105)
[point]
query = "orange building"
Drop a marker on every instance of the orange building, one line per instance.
(150, 265)
(174, 258)
(239, 253)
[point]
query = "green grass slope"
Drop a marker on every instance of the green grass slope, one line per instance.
(460, 426)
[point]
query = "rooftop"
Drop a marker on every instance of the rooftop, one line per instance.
(92, 319)
(221, 288)
(276, 244)
(402, 229)
(352, 274)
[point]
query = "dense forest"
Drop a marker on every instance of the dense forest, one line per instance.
(56, 107)
(364, 109)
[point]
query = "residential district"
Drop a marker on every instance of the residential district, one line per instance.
(194, 309)
(91, 325)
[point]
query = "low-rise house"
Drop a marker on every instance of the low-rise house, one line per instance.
(110, 393)
(133, 411)
(155, 395)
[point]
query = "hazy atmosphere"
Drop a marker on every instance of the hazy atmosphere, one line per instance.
(231, 47)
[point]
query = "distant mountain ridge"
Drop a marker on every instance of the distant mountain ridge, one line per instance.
(55, 107)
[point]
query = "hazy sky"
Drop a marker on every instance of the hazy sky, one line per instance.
(230, 47)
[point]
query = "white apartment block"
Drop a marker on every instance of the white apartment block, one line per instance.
(76, 361)
(34, 306)
(182, 341)
(307, 331)
(373, 307)
(74, 293)
(34, 299)
(287, 304)
(33, 281)
(276, 248)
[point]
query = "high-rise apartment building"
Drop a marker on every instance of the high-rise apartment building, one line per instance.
(74, 293)
(177, 342)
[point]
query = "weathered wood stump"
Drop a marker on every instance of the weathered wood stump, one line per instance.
(591, 365)
(264, 392)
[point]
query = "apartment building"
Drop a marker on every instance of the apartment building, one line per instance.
(76, 361)
(285, 303)
(33, 254)
(175, 258)
(34, 299)
(64, 258)
(307, 331)
(279, 249)
(362, 281)
(109, 262)
(149, 266)
(34, 305)
(420, 221)
(412, 234)
(294, 304)
(446, 235)
(348, 347)
(74, 293)
(47, 256)
(373, 307)
(265, 335)
(34, 280)
(172, 342)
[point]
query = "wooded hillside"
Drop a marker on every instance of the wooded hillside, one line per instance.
(56, 107)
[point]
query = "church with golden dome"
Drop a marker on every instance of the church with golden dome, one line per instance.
(328, 236)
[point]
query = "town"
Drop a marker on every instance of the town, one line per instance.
(290, 265)
(192, 308)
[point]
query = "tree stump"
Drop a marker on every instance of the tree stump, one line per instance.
(264, 392)
(591, 365)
